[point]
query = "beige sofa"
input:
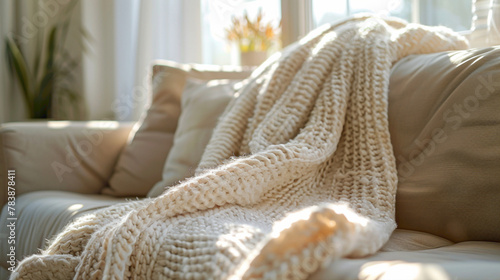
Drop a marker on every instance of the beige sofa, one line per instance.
(445, 128)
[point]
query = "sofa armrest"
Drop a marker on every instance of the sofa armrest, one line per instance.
(69, 156)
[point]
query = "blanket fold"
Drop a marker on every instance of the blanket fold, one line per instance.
(300, 168)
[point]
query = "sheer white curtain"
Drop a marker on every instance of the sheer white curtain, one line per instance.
(128, 36)
(147, 30)
(99, 61)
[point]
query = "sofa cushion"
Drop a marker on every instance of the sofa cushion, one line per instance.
(444, 121)
(141, 162)
(202, 104)
(409, 240)
(470, 260)
(43, 214)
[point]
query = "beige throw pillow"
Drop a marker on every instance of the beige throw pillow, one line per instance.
(444, 116)
(202, 104)
(139, 165)
(141, 162)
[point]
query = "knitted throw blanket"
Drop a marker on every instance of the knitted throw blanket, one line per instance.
(299, 169)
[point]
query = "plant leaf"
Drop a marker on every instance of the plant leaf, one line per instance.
(64, 25)
(52, 43)
(38, 55)
(43, 100)
(44, 90)
(19, 64)
(47, 85)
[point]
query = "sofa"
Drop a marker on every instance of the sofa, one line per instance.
(444, 121)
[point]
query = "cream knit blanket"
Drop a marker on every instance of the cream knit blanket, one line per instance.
(299, 169)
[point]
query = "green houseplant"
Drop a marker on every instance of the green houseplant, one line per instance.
(51, 76)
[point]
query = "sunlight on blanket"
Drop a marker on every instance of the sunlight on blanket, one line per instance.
(314, 224)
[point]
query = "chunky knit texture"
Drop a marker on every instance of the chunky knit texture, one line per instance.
(299, 169)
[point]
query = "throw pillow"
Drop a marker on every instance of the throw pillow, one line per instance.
(445, 127)
(141, 163)
(202, 104)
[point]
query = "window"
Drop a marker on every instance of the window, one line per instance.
(325, 11)
(305, 15)
(216, 17)
(456, 14)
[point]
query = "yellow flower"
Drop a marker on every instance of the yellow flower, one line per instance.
(253, 35)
